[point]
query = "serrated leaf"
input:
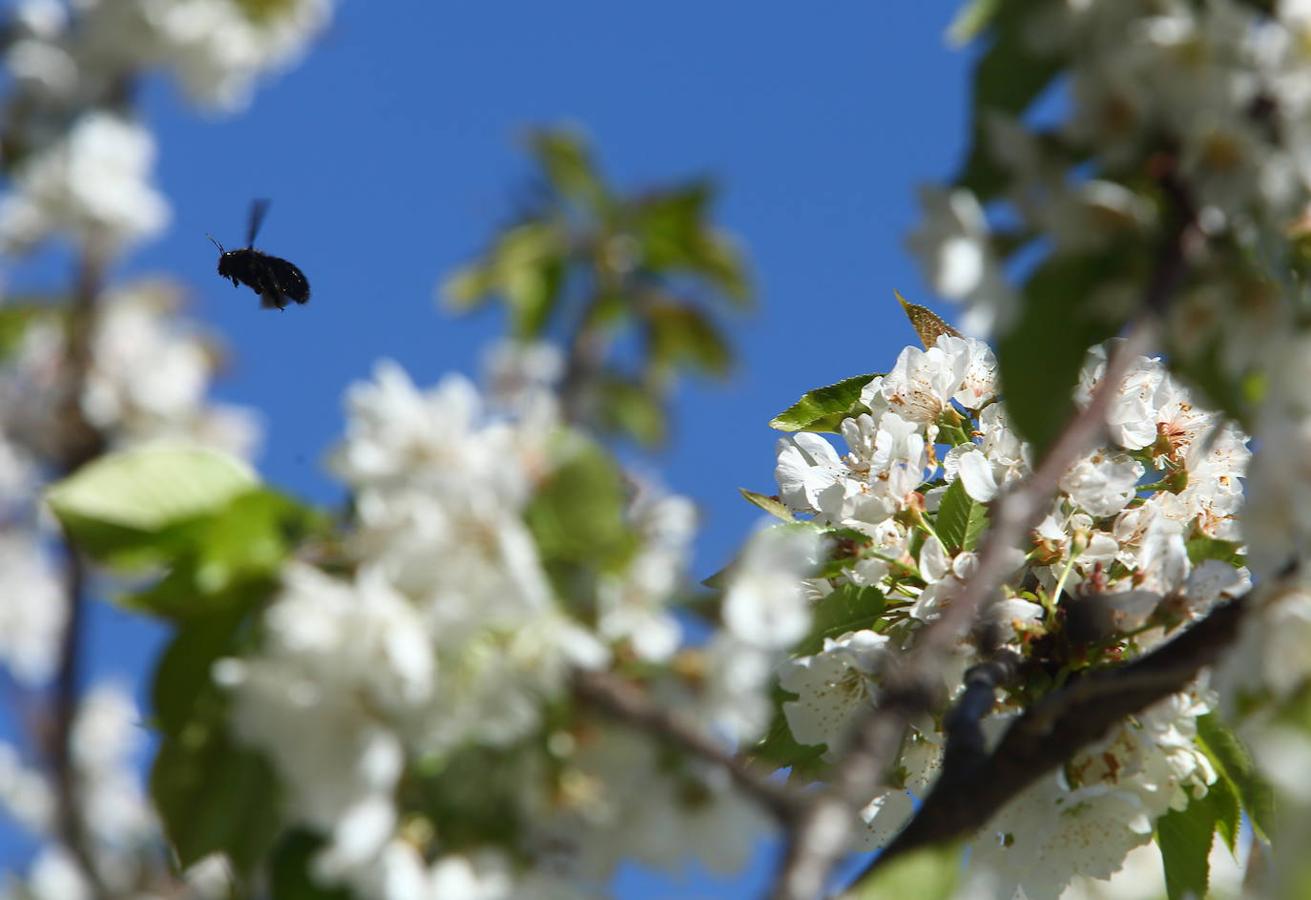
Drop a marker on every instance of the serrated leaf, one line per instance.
(1228, 812)
(823, 409)
(1184, 837)
(122, 500)
(846, 608)
(771, 505)
(961, 519)
(927, 324)
(1040, 357)
(928, 874)
(1234, 763)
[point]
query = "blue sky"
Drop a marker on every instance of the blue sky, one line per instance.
(391, 156)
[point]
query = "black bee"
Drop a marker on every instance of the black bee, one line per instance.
(274, 279)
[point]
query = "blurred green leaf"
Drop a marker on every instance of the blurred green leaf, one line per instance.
(1184, 837)
(15, 318)
(289, 869)
(568, 166)
(671, 229)
(928, 874)
(262, 11)
(629, 407)
(1234, 764)
(578, 513)
(473, 795)
(1009, 75)
(823, 409)
(182, 675)
(847, 608)
(928, 325)
(1228, 812)
(214, 795)
(1040, 357)
(961, 519)
(971, 19)
(684, 335)
(125, 503)
(771, 505)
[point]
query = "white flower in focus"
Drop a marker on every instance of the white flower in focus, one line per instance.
(833, 686)
(32, 609)
(94, 184)
(1102, 483)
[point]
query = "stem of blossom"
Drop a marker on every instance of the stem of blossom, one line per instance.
(79, 443)
(628, 704)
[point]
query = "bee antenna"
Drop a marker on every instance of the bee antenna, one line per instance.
(216, 243)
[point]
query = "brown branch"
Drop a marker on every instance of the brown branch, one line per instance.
(79, 443)
(628, 704)
(970, 791)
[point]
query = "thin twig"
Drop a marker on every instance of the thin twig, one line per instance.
(80, 442)
(628, 704)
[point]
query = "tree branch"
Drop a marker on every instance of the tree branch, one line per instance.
(971, 790)
(628, 704)
(79, 443)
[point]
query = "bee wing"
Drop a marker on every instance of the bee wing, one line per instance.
(291, 281)
(258, 210)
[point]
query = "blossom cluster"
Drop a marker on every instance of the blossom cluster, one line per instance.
(448, 635)
(1143, 529)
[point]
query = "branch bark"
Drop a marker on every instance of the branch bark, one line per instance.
(628, 704)
(79, 443)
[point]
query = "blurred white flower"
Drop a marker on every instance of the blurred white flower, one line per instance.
(32, 608)
(94, 184)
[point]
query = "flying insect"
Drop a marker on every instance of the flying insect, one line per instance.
(273, 278)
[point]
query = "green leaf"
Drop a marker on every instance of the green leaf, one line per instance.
(1234, 763)
(971, 19)
(1041, 356)
(1184, 837)
(568, 166)
(625, 406)
(928, 325)
(683, 335)
(961, 519)
(14, 321)
(847, 608)
(1202, 548)
(780, 749)
(121, 501)
(289, 869)
(823, 409)
(771, 505)
(227, 560)
(1009, 76)
(1228, 812)
(182, 675)
(928, 874)
(214, 795)
(578, 514)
